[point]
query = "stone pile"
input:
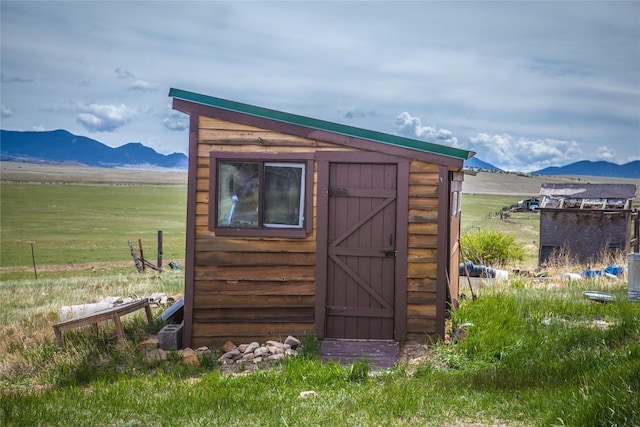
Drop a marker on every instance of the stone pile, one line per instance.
(188, 356)
(254, 353)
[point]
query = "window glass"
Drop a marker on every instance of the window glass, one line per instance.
(283, 194)
(255, 194)
(238, 194)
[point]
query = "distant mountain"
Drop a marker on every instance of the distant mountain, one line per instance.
(475, 162)
(589, 168)
(60, 146)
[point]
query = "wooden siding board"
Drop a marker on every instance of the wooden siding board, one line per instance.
(252, 259)
(259, 273)
(245, 287)
(244, 329)
(253, 303)
(267, 314)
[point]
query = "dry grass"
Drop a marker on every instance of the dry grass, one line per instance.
(29, 308)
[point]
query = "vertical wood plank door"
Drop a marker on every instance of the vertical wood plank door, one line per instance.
(361, 252)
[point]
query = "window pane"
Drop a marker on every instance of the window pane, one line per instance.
(238, 192)
(284, 194)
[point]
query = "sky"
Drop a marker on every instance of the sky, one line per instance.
(525, 85)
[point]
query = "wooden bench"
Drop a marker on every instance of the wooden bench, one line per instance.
(113, 313)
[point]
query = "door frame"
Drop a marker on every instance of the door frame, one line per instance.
(323, 161)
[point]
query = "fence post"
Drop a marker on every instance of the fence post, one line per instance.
(159, 251)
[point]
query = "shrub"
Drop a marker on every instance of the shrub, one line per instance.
(490, 247)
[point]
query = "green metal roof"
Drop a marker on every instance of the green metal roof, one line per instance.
(323, 125)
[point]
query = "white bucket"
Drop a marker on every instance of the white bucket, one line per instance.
(634, 276)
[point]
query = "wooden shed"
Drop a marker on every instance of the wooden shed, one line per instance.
(587, 221)
(298, 225)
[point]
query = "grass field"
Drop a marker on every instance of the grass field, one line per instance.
(86, 225)
(536, 353)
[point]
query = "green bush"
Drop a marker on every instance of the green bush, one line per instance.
(490, 247)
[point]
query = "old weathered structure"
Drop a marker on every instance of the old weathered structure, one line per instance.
(299, 225)
(587, 221)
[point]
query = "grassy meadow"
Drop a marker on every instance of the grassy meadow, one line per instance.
(536, 352)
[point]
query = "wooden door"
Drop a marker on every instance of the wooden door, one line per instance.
(361, 250)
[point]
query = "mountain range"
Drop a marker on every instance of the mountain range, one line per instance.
(582, 168)
(60, 146)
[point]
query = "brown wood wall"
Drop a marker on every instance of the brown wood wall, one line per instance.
(423, 248)
(248, 289)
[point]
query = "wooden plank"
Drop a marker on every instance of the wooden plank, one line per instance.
(422, 255)
(423, 228)
(245, 329)
(422, 241)
(241, 287)
(113, 314)
(381, 354)
(426, 298)
(416, 190)
(416, 270)
(419, 310)
(418, 166)
(213, 123)
(421, 325)
(274, 245)
(259, 138)
(252, 259)
(424, 178)
(268, 273)
(429, 204)
(418, 215)
(270, 314)
(206, 301)
(423, 284)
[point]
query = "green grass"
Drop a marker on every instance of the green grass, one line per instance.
(72, 224)
(532, 357)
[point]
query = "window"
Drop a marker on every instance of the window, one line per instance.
(260, 195)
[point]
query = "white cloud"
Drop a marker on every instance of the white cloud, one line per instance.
(411, 126)
(105, 118)
(143, 86)
(174, 120)
(524, 154)
(605, 153)
(5, 112)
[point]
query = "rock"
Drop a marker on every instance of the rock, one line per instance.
(257, 359)
(149, 344)
(203, 349)
(293, 342)
(261, 351)
(307, 394)
(243, 347)
(231, 354)
(272, 343)
(228, 346)
(248, 357)
(276, 357)
(156, 355)
(251, 347)
(190, 357)
(273, 349)
(225, 361)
